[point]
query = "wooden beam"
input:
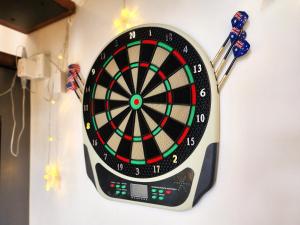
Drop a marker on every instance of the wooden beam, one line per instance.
(68, 5)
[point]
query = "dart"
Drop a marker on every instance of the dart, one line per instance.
(234, 36)
(238, 21)
(237, 34)
(73, 76)
(74, 70)
(73, 86)
(240, 48)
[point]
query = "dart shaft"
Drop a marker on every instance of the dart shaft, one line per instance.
(79, 94)
(229, 50)
(230, 66)
(213, 62)
(225, 76)
(218, 70)
(220, 67)
(79, 83)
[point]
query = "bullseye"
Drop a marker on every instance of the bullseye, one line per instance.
(136, 102)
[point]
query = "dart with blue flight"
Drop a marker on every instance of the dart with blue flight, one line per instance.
(72, 86)
(238, 21)
(240, 48)
(235, 35)
(73, 82)
(74, 71)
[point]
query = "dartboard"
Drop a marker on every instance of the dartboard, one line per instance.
(146, 102)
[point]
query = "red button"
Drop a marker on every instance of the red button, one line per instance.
(168, 192)
(112, 185)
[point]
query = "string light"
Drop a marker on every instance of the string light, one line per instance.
(51, 172)
(60, 57)
(128, 18)
(50, 139)
(52, 177)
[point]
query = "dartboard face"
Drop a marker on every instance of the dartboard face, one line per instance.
(146, 102)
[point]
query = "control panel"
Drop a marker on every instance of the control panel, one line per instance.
(172, 191)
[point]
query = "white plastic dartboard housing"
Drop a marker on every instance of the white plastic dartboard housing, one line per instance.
(151, 119)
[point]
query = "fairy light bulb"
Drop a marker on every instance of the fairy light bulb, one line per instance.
(50, 138)
(127, 18)
(60, 57)
(125, 13)
(52, 177)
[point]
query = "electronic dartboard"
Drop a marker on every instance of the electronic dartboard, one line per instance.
(151, 119)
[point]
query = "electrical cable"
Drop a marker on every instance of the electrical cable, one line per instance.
(23, 83)
(11, 86)
(14, 124)
(16, 154)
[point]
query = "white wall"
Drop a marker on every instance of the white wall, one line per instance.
(10, 41)
(259, 165)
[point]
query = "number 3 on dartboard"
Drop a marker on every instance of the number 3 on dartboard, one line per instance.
(137, 171)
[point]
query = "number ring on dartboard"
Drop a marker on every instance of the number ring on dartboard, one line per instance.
(142, 120)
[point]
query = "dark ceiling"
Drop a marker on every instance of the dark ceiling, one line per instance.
(29, 15)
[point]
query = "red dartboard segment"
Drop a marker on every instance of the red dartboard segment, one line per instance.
(154, 160)
(112, 84)
(113, 125)
(100, 138)
(194, 95)
(143, 64)
(128, 137)
(163, 122)
(147, 137)
(125, 69)
(183, 135)
(169, 97)
(119, 50)
(107, 105)
(122, 158)
(98, 75)
(162, 75)
(179, 57)
(151, 42)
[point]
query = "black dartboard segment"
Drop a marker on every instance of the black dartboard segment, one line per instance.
(147, 102)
